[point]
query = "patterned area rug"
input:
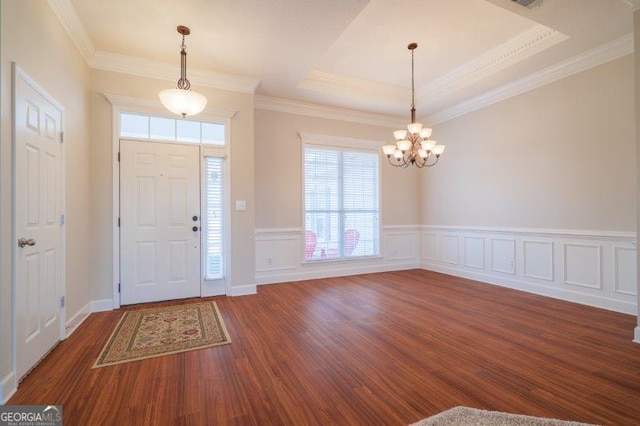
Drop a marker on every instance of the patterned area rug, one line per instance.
(148, 333)
(465, 416)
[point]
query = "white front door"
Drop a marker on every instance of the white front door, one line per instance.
(38, 225)
(159, 221)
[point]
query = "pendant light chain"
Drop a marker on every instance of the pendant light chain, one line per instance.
(183, 83)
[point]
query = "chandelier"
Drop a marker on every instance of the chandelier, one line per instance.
(182, 100)
(413, 145)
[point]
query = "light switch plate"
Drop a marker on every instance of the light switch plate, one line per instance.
(241, 205)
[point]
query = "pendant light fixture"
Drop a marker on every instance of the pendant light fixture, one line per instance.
(413, 146)
(182, 100)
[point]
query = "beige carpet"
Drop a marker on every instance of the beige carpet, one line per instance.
(465, 416)
(148, 333)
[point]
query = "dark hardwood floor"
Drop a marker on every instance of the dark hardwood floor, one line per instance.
(389, 348)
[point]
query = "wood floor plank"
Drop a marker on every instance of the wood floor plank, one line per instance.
(388, 348)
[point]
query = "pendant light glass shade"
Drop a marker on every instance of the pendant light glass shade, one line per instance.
(183, 102)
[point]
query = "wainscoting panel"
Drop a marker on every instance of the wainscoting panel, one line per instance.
(589, 267)
(402, 245)
(474, 252)
(280, 257)
(449, 249)
(538, 259)
(503, 255)
(626, 277)
(429, 248)
(278, 251)
(582, 265)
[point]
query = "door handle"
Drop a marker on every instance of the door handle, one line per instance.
(24, 242)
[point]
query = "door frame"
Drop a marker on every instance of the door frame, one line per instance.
(154, 107)
(18, 72)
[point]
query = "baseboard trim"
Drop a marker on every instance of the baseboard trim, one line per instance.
(75, 321)
(636, 337)
(243, 290)
(102, 305)
(557, 293)
(8, 386)
(318, 273)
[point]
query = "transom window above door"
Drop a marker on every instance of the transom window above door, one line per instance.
(141, 126)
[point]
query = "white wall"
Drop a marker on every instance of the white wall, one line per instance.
(33, 37)
(538, 192)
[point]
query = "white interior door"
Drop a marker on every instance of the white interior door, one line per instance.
(38, 225)
(159, 221)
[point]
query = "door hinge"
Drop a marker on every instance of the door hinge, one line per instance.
(118, 157)
(61, 219)
(118, 287)
(62, 302)
(118, 222)
(61, 137)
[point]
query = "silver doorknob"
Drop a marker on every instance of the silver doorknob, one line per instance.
(24, 242)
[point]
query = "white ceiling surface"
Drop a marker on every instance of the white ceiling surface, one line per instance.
(353, 53)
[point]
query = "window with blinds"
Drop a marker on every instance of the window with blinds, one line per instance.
(214, 204)
(342, 203)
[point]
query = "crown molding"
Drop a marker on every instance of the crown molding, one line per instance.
(588, 59)
(162, 70)
(68, 17)
(526, 44)
(323, 111)
(325, 82)
(633, 4)
(339, 141)
(154, 106)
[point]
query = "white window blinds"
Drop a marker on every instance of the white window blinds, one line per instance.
(214, 204)
(342, 203)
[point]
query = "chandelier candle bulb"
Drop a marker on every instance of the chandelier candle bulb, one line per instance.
(404, 145)
(389, 149)
(425, 133)
(400, 134)
(428, 145)
(414, 128)
(413, 146)
(438, 150)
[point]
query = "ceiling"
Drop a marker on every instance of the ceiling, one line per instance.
(353, 53)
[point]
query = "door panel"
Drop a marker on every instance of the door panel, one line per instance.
(159, 193)
(38, 206)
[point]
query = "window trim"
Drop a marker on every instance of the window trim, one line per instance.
(344, 144)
